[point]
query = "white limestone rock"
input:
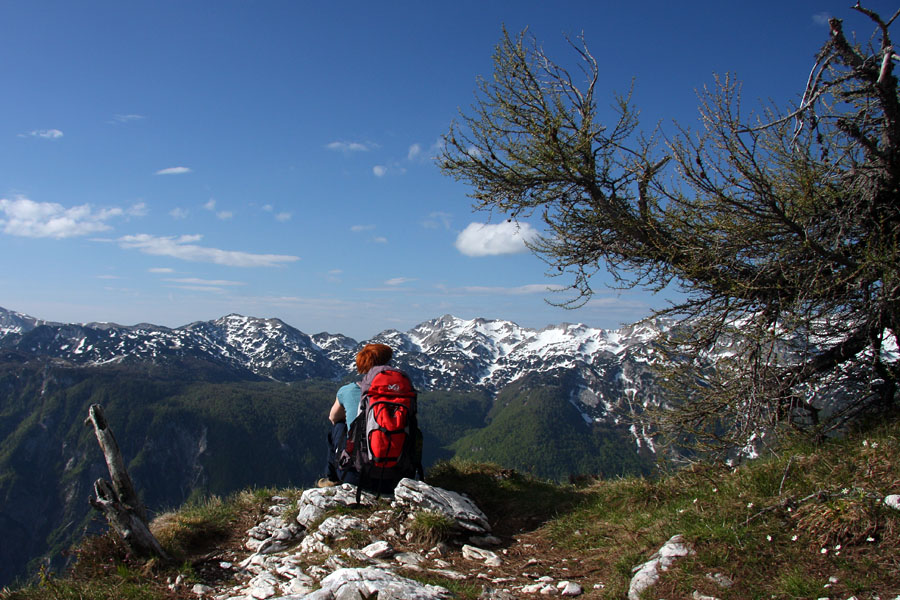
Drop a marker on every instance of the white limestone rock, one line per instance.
(474, 553)
(415, 496)
(337, 527)
(412, 559)
(647, 574)
(315, 502)
(569, 588)
(379, 549)
(389, 586)
(893, 501)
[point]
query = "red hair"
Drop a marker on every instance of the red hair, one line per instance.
(373, 355)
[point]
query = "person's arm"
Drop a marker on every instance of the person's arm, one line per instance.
(337, 413)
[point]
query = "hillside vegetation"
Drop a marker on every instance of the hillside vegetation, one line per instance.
(193, 433)
(804, 522)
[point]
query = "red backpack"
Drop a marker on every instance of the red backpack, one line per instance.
(384, 441)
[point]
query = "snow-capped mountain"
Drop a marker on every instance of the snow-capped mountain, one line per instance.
(605, 369)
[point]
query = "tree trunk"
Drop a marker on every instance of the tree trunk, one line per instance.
(118, 501)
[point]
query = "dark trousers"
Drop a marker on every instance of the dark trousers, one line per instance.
(337, 441)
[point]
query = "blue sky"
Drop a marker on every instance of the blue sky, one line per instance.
(168, 162)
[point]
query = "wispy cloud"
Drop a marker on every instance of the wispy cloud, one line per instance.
(223, 215)
(107, 277)
(47, 134)
(437, 220)
(485, 239)
(281, 217)
(380, 239)
(26, 218)
(415, 151)
(379, 170)
(127, 118)
(207, 282)
(160, 270)
(821, 18)
(358, 228)
(138, 210)
(174, 171)
(398, 281)
(178, 213)
(183, 248)
(520, 290)
(349, 147)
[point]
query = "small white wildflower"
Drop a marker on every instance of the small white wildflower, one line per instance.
(874, 444)
(749, 505)
(794, 538)
(838, 547)
(865, 443)
(870, 539)
(845, 491)
(768, 538)
(823, 551)
(715, 490)
(695, 500)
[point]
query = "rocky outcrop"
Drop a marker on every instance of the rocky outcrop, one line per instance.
(326, 553)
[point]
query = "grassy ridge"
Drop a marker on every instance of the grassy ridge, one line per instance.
(777, 527)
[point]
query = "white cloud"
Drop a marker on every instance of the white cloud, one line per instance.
(224, 215)
(174, 171)
(47, 134)
(283, 216)
(27, 218)
(485, 239)
(414, 152)
(138, 209)
(380, 240)
(178, 213)
(161, 270)
(379, 170)
(107, 277)
(358, 228)
(210, 205)
(398, 281)
(268, 207)
(436, 220)
(521, 290)
(206, 282)
(183, 249)
(348, 147)
(126, 118)
(201, 288)
(821, 18)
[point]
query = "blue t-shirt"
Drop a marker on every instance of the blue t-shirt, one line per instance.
(349, 397)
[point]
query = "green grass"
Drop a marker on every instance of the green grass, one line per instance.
(428, 528)
(778, 526)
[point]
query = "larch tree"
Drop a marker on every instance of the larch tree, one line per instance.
(780, 227)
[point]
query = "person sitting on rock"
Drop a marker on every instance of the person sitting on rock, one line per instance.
(345, 410)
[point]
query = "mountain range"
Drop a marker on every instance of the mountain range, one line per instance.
(217, 406)
(446, 353)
